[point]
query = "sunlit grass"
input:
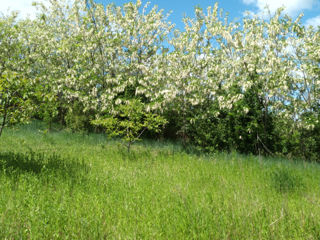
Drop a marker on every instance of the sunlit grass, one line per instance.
(60, 185)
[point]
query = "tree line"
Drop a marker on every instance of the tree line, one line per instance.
(252, 86)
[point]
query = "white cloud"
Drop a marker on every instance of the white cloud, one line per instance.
(291, 6)
(315, 22)
(24, 7)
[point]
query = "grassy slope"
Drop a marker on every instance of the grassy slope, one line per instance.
(63, 185)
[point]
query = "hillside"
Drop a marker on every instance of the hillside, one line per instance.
(61, 185)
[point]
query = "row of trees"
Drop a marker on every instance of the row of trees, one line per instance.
(251, 86)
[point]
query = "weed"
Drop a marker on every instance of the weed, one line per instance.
(286, 180)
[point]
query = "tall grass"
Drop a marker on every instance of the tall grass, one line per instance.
(60, 185)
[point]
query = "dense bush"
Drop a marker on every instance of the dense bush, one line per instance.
(251, 86)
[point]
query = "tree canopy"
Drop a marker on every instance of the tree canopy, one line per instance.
(252, 86)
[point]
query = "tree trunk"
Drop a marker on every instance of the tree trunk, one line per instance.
(4, 119)
(128, 147)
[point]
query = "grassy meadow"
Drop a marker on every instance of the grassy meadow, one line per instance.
(62, 185)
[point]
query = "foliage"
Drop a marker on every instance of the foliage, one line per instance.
(131, 122)
(15, 99)
(250, 86)
(76, 120)
(14, 86)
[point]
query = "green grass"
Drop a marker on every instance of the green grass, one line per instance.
(61, 185)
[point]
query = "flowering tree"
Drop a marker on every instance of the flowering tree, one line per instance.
(220, 84)
(15, 87)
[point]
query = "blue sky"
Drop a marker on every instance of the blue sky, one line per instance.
(236, 8)
(180, 8)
